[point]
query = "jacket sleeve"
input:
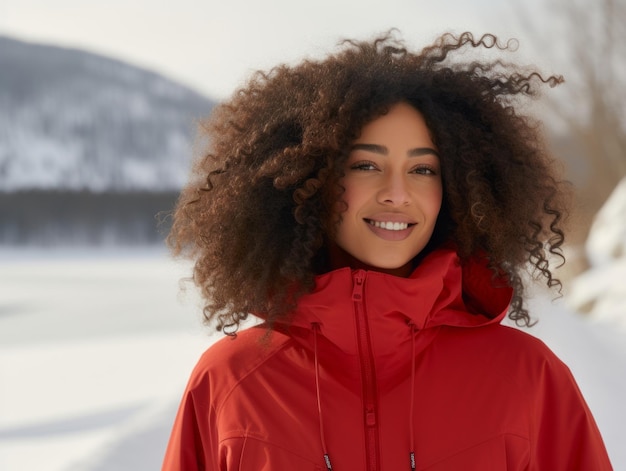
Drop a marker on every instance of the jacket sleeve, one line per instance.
(193, 443)
(566, 437)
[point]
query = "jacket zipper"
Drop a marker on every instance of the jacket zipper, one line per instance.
(368, 374)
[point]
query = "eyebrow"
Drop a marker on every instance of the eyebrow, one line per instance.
(383, 150)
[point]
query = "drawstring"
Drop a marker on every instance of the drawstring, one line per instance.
(329, 467)
(412, 399)
(316, 328)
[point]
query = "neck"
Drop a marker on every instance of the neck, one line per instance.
(339, 258)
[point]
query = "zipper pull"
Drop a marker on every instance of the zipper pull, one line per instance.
(357, 289)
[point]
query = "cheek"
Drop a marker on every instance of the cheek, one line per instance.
(348, 191)
(429, 200)
(437, 201)
(351, 199)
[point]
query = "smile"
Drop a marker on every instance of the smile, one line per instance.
(389, 226)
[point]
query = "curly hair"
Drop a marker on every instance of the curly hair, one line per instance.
(256, 214)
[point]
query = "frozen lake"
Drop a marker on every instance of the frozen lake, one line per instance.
(96, 347)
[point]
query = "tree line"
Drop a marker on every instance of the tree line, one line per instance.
(52, 218)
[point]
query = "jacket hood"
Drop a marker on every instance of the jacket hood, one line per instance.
(440, 292)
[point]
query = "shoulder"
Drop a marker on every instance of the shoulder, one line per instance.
(500, 336)
(514, 352)
(229, 360)
(509, 339)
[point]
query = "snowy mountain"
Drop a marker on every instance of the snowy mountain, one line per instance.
(73, 120)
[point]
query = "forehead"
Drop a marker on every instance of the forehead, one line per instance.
(402, 122)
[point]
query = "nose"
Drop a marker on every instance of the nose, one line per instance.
(394, 190)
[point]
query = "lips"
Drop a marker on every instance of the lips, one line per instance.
(391, 228)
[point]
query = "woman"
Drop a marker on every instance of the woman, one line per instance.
(376, 209)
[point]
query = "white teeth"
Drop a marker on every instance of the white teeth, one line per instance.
(390, 226)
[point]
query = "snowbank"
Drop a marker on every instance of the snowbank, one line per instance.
(601, 290)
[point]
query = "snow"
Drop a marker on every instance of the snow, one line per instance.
(97, 345)
(95, 349)
(607, 238)
(601, 290)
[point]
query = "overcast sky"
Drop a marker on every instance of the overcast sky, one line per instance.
(214, 45)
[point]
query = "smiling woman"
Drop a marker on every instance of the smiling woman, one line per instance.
(375, 210)
(392, 195)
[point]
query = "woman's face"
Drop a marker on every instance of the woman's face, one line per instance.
(393, 193)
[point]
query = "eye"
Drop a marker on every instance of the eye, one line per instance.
(424, 170)
(363, 166)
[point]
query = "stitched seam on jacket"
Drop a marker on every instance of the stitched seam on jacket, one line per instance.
(253, 368)
(243, 447)
(458, 452)
(248, 436)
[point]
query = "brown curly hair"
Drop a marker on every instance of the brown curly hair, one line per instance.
(256, 214)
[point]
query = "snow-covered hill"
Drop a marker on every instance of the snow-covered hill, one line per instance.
(74, 120)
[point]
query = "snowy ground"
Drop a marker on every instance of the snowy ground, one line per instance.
(96, 347)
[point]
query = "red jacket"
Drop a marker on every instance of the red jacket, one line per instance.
(378, 372)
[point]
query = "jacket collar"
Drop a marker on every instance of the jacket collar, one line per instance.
(440, 292)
